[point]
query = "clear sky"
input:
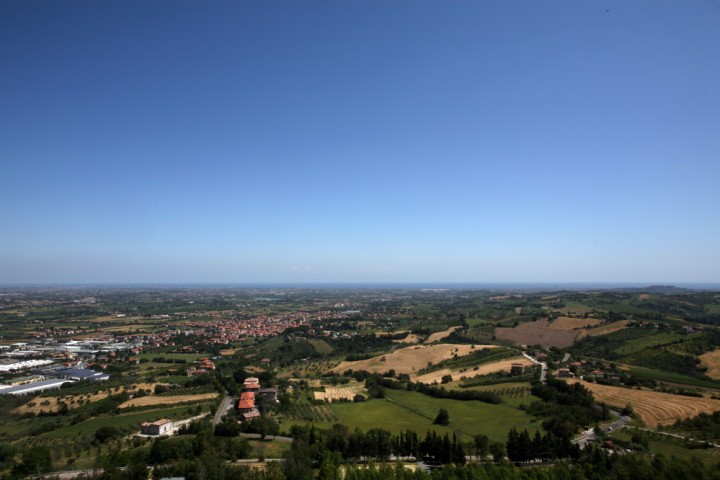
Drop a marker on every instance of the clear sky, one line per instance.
(359, 141)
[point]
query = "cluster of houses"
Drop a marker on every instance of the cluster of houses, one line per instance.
(246, 406)
(205, 366)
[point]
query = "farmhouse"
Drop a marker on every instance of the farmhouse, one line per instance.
(159, 427)
(268, 395)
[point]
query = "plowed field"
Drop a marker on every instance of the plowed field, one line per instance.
(537, 333)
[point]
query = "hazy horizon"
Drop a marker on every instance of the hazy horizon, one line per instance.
(550, 286)
(356, 142)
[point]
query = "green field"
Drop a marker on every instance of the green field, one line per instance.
(321, 346)
(472, 322)
(181, 379)
(130, 419)
(649, 341)
(190, 357)
(669, 377)
(402, 410)
(268, 449)
(672, 448)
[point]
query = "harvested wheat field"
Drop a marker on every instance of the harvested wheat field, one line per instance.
(169, 400)
(341, 392)
(52, 404)
(604, 329)
(537, 333)
(437, 336)
(570, 323)
(501, 366)
(410, 359)
(386, 334)
(653, 408)
(411, 338)
(711, 360)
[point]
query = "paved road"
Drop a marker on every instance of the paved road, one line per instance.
(543, 366)
(566, 358)
(225, 405)
(256, 436)
(675, 435)
(75, 473)
(589, 435)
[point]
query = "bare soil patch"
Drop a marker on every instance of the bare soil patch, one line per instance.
(570, 323)
(437, 336)
(410, 359)
(711, 360)
(605, 329)
(653, 408)
(169, 400)
(500, 366)
(537, 333)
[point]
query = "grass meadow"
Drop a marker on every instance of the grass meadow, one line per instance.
(402, 410)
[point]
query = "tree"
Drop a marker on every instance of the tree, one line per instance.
(482, 445)
(443, 417)
(35, 461)
(106, 433)
(497, 450)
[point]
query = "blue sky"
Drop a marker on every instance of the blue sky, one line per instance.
(381, 141)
